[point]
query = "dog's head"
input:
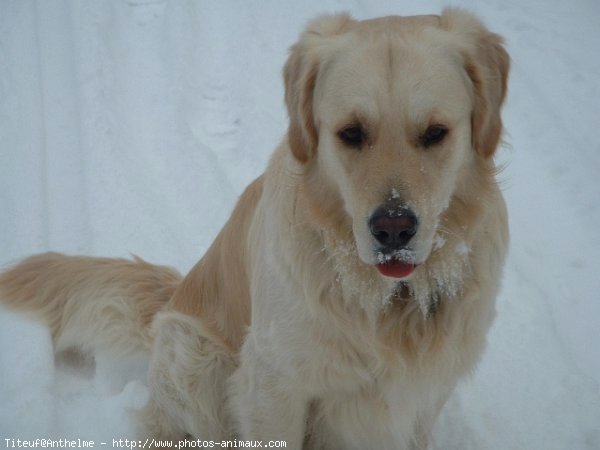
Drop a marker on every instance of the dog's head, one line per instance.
(392, 119)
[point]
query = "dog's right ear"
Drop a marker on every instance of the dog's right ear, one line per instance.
(300, 76)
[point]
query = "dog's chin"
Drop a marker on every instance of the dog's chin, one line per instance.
(398, 264)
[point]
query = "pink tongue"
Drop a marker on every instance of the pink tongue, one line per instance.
(395, 268)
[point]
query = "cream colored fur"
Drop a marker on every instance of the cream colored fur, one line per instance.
(285, 330)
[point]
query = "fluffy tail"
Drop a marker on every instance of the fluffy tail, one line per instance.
(90, 303)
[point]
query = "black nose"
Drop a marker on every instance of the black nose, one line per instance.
(393, 228)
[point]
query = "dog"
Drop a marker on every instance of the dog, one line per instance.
(355, 281)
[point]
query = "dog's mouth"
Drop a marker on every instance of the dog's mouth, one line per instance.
(396, 268)
(398, 264)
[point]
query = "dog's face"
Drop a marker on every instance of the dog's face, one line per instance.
(390, 117)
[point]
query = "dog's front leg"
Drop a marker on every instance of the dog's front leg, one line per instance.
(187, 377)
(266, 406)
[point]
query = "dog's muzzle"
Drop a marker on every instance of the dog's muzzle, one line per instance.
(393, 228)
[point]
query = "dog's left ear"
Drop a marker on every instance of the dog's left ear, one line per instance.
(300, 76)
(487, 64)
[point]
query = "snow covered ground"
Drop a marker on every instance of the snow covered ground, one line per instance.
(132, 126)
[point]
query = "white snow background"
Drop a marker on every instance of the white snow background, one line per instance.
(132, 126)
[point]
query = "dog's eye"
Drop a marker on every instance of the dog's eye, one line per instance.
(433, 135)
(353, 136)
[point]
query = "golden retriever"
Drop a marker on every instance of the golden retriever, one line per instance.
(356, 279)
